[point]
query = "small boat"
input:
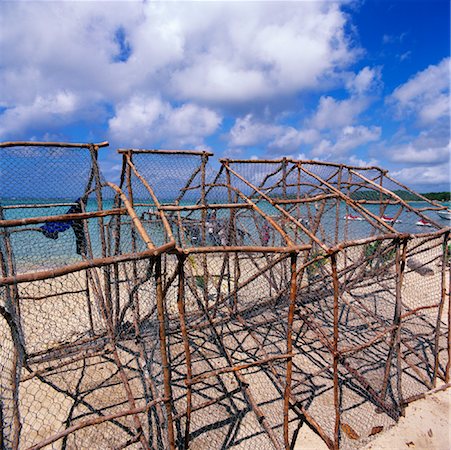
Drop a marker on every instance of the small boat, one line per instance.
(351, 217)
(424, 223)
(446, 214)
(390, 219)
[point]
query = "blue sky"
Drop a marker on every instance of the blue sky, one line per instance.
(359, 82)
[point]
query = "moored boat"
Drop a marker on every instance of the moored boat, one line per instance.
(351, 217)
(424, 223)
(445, 214)
(390, 219)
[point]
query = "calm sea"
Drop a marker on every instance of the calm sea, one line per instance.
(33, 251)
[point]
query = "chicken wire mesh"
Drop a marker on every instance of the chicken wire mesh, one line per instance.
(197, 308)
(76, 265)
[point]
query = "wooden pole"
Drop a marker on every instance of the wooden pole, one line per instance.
(336, 355)
(60, 218)
(448, 363)
(443, 269)
(287, 393)
(183, 328)
(51, 144)
(163, 350)
(166, 152)
(87, 264)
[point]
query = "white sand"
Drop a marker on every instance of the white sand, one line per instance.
(426, 426)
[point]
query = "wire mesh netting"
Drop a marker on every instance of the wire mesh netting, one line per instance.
(199, 308)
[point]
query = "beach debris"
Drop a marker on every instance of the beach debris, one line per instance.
(419, 267)
(376, 430)
(349, 431)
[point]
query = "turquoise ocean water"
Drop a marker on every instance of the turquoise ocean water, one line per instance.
(32, 250)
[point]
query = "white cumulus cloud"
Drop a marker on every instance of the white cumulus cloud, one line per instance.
(359, 162)
(333, 113)
(259, 50)
(364, 81)
(420, 155)
(152, 121)
(426, 175)
(42, 112)
(425, 95)
(220, 52)
(216, 55)
(249, 131)
(349, 138)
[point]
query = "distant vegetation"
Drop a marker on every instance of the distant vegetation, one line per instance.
(405, 195)
(375, 195)
(440, 196)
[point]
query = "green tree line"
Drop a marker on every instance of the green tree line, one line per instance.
(405, 195)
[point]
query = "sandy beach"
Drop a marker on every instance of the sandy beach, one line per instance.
(44, 410)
